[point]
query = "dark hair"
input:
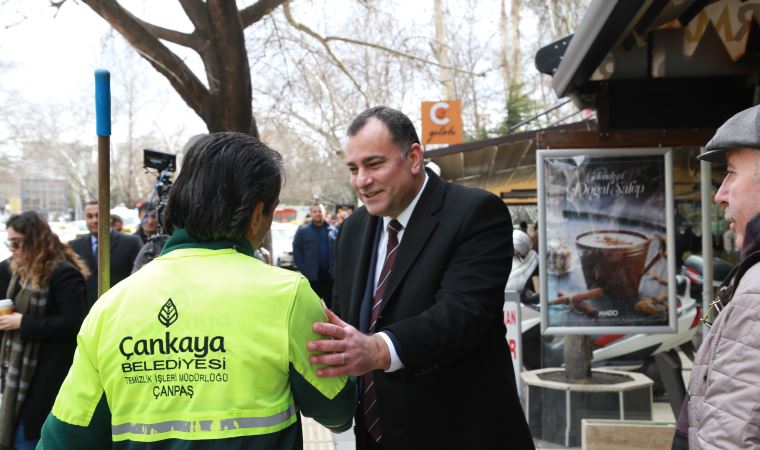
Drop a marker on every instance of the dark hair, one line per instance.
(116, 218)
(400, 127)
(43, 251)
(145, 206)
(91, 202)
(223, 177)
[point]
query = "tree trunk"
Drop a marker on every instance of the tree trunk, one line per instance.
(506, 65)
(441, 52)
(578, 356)
(226, 105)
(516, 53)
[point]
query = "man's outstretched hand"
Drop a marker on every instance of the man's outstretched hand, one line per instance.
(349, 352)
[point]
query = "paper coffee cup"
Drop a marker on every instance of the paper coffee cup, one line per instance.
(6, 307)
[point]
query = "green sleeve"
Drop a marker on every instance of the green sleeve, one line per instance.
(336, 413)
(330, 401)
(59, 435)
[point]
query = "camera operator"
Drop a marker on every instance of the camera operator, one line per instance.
(151, 230)
(148, 227)
(205, 347)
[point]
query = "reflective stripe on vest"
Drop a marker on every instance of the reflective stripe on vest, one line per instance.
(188, 426)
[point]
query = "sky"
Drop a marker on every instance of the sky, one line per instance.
(50, 58)
(53, 55)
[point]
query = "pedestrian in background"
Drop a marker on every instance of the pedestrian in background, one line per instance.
(313, 252)
(117, 223)
(38, 339)
(148, 227)
(124, 250)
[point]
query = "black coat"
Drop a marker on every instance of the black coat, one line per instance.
(56, 331)
(444, 304)
(124, 250)
(5, 277)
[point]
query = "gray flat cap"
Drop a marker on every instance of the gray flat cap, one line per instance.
(741, 130)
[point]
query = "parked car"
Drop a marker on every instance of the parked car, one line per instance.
(66, 231)
(282, 244)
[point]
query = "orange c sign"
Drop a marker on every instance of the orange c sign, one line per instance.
(442, 122)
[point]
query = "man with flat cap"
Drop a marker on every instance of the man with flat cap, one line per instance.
(722, 410)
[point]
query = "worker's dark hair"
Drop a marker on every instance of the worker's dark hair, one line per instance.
(223, 177)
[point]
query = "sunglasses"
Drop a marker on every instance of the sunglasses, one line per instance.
(13, 244)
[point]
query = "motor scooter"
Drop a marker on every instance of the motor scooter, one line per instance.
(693, 269)
(625, 352)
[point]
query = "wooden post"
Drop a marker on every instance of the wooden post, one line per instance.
(103, 125)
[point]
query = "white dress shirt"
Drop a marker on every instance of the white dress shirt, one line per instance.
(403, 219)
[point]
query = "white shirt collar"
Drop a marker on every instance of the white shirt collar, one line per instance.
(406, 214)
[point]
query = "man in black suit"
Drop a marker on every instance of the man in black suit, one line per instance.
(420, 277)
(124, 249)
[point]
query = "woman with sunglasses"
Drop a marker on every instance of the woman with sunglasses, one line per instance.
(38, 339)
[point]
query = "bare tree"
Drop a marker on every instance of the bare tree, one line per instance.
(319, 82)
(224, 102)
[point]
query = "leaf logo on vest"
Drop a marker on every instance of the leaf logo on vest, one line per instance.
(165, 360)
(168, 314)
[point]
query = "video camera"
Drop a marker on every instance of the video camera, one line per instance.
(165, 164)
(153, 159)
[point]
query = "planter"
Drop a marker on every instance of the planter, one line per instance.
(555, 406)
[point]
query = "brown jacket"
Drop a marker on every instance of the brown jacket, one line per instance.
(724, 408)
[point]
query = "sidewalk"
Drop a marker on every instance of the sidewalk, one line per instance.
(316, 437)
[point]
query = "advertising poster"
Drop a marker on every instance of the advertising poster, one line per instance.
(606, 220)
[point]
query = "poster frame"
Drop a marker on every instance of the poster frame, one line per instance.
(672, 325)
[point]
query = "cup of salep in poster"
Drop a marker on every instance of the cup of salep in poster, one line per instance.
(6, 307)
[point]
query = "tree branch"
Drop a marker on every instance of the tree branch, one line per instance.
(177, 37)
(401, 54)
(197, 13)
(328, 136)
(303, 28)
(184, 81)
(255, 12)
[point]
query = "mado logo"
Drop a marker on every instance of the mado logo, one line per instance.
(439, 113)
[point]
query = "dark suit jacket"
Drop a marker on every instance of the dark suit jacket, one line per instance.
(444, 304)
(124, 250)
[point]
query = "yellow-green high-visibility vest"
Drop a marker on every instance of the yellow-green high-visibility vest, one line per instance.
(196, 345)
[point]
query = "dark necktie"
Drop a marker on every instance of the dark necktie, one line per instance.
(371, 410)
